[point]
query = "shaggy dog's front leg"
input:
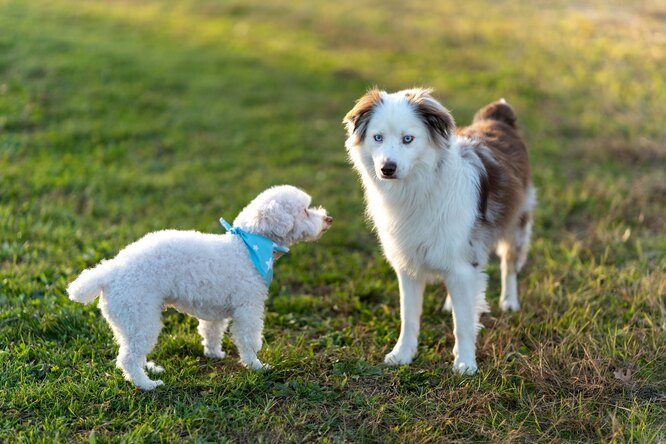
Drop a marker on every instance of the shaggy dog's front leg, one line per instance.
(466, 286)
(411, 305)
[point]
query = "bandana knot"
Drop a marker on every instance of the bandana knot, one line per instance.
(260, 249)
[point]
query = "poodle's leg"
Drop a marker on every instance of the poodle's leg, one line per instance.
(467, 286)
(154, 368)
(513, 254)
(411, 305)
(246, 327)
(212, 333)
(136, 324)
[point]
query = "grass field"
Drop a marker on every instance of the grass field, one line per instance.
(122, 117)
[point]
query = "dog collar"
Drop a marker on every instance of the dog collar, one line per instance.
(260, 248)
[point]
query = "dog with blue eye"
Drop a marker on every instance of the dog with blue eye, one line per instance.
(217, 278)
(442, 199)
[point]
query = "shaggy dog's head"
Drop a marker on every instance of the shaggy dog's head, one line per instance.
(283, 214)
(392, 135)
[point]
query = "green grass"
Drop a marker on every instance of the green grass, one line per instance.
(119, 118)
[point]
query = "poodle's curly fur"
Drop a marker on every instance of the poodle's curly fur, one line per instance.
(208, 276)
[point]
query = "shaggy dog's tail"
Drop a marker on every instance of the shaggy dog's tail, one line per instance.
(500, 111)
(89, 284)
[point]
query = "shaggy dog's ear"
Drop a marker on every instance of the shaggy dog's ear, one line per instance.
(436, 118)
(357, 119)
(274, 219)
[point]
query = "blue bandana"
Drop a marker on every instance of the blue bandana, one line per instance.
(260, 249)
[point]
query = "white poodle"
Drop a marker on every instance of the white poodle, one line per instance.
(215, 278)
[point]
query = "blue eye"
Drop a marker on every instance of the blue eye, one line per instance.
(378, 137)
(407, 139)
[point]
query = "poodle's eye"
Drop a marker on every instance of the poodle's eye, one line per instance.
(407, 139)
(378, 138)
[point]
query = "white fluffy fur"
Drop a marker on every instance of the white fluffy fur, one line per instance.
(424, 218)
(208, 276)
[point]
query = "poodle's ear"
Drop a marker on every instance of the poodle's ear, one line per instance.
(436, 118)
(273, 219)
(357, 119)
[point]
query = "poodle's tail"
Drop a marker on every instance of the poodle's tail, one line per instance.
(89, 284)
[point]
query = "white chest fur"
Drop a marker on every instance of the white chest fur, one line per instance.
(424, 222)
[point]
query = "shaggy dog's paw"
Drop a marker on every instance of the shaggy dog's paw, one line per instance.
(398, 358)
(152, 367)
(150, 384)
(508, 305)
(464, 368)
(215, 354)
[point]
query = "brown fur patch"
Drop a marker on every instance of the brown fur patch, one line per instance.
(437, 119)
(505, 174)
(524, 219)
(491, 182)
(358, 117)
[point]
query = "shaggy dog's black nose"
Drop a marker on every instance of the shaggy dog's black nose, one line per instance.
(388, 169)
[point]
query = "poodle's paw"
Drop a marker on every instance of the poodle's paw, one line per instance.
(400, 356)
(465, 368)
(508, 305)
(448, 305)
(215, 354)
(150, 384)
(257, 365)
(152, 367)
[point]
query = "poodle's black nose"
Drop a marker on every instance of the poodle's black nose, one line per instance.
(388, 169)
(328, 220)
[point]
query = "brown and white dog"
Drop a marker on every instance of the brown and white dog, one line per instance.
(440, 201)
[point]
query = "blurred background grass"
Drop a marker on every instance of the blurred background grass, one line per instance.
(122, 117)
